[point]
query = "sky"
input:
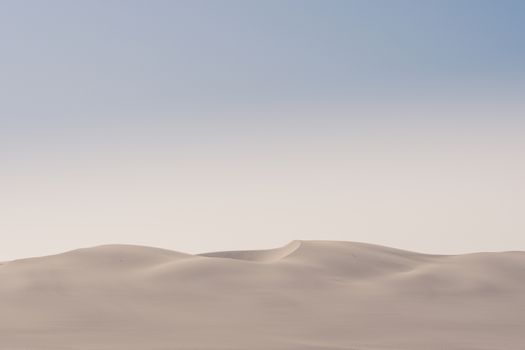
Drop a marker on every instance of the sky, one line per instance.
(220, 125)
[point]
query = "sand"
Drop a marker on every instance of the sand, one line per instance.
(306, 295)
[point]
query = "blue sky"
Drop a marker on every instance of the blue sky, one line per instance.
(132, 57)
(213, 87)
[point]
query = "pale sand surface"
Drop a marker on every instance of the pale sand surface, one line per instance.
(307, 295)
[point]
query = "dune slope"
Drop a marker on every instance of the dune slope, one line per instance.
(305, 295)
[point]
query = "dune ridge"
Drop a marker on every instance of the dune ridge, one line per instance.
(257, 255)
(304, 295)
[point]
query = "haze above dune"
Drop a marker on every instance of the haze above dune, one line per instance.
(305, 295)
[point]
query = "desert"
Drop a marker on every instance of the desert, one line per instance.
(304, 295)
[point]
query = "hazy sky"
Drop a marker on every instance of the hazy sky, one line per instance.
(217, 125)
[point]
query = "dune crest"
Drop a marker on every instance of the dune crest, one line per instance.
(257, 255)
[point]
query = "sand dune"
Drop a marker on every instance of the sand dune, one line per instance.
(305, 295)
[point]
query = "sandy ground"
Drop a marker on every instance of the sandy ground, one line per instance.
(307, 295)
